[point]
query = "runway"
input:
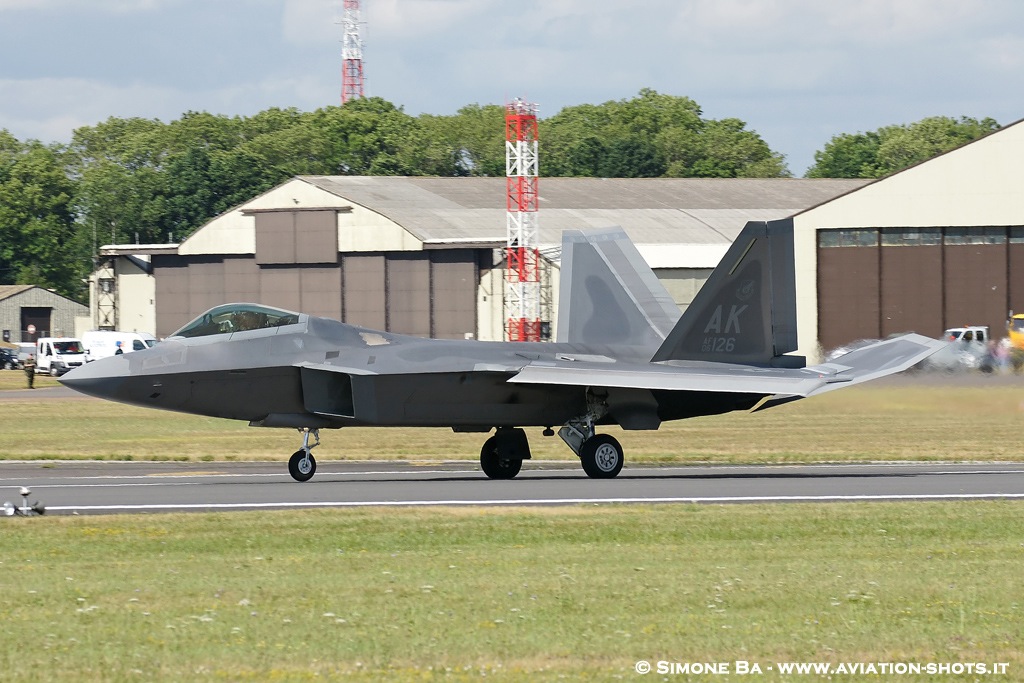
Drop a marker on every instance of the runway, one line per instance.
(128, 487)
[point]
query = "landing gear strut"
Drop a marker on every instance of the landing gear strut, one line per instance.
(600, 454)
(302, 464)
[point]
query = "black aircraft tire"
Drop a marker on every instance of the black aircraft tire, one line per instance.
(602, 457)
(495, 466)
(296, 469)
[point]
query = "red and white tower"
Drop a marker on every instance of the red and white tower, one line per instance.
(522, 277)
(351, 54)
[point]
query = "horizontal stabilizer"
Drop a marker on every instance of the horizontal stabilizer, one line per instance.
(870, 362)
(882, 358)
(784, 384)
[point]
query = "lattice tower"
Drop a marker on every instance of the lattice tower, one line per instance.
(522, 275)
(351, 54)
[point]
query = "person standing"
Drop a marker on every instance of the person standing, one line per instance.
(30, 370)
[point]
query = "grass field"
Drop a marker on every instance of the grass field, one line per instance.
(877, 421)
(548, 594)
(510, 594)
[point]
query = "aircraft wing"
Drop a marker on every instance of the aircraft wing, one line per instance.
(718, 377)
(784, 384)
(330, 367)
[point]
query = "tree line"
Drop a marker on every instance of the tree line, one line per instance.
(143, 180)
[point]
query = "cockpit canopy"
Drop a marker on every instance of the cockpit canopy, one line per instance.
(236, 318)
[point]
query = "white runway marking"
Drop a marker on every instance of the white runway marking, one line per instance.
(537, 501)
(186, 479)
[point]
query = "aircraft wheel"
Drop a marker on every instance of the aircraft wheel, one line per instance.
(494, 464)
(301, 466)
(601, 456)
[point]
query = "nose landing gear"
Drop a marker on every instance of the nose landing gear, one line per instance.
(302, 464)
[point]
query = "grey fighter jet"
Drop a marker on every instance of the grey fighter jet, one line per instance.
(624, 356)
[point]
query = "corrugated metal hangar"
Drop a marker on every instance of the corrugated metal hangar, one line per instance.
(422, 255)
(937, 245)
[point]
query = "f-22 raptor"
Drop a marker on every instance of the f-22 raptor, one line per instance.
(624, 355)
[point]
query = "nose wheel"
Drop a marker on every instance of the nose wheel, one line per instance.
(302, 464)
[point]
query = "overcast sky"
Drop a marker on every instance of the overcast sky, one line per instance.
(796, 71)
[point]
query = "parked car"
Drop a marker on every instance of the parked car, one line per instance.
(57, 355)
(9, 359)
(967, 350)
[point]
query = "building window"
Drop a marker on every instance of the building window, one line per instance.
(991, 236)
(911, 237)
(1017, 234)
(973, 235)
(849, 237)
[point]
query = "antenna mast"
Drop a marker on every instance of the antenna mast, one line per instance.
(351, 54)
(522, 275)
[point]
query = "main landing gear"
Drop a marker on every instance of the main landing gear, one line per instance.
(302, 464)
(502, 455)
(600, 454)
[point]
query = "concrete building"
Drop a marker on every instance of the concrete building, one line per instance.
(28, 312)
(938, 245)
(423, 255)
(122, 290)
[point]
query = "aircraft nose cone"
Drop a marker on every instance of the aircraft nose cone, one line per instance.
(101, 378)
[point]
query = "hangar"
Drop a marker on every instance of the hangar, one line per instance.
(28, 312)
(421, 255)
(937, 245)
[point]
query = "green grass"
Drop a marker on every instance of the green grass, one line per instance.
(876, 421)
(15, 379)
(516, 594)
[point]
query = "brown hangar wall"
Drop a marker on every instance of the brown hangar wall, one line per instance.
(425, 293)
(877, 282)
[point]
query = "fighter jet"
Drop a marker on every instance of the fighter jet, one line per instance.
(624, 355)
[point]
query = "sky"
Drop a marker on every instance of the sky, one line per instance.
(797, 72)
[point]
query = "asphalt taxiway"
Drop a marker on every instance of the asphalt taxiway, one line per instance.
(132, 487)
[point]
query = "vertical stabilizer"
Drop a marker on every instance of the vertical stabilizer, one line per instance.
(609, 295)
(746, 311)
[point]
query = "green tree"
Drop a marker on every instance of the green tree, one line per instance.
(892, 148)
(728, 150)
(118, 166)
(141, 179)
(36, 221)
(652, 135)
(848, 156)
(472, 142)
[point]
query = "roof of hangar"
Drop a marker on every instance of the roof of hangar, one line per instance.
(652, 210)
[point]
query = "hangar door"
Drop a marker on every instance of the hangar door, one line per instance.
(423, 293)
(874, 282)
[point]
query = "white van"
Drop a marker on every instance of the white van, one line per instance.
(103, 343)
(57, 355)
